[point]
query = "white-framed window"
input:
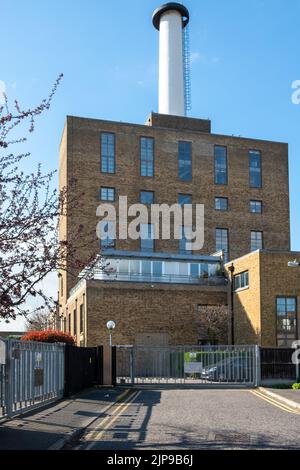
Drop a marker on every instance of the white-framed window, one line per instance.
(255, 207)
(256, 240)
(107, 152)
(222, 241)
(107, 194)
(221, 203)
(147, 156)
(241, 280)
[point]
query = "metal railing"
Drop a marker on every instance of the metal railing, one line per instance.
(31, 374)
(201, 365)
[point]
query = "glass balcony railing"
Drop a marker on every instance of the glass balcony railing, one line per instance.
(154, 269)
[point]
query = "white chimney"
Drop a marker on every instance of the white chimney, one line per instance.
(170, 19)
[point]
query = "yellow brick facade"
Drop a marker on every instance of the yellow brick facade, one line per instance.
(254, 307)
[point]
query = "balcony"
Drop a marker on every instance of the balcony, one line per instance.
(165, 268)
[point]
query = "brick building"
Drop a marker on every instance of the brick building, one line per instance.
(266, 293)
(155, 289)
(237, 180)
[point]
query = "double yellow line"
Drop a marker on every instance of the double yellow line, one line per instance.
(107, 422)
(276, 403)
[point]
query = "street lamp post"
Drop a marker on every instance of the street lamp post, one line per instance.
(293, 264)
(231, 270)
(110, 325)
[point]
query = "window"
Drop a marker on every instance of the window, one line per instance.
(147, 156)
(255, 168)
(75, 322)
(147, 197)
(185, 240)
(241, 280)
(185, 161)
(81, 319)
(286, 310)
(195, 270)
(107, 194)
(147, 242)
(68, 323)
(108, 234)
(221, 203)
(221, 176)
(157, 268)
(146, 267)
(107, 152)
(256, 240)
(256, 207)
(222, 241)
(184, 199)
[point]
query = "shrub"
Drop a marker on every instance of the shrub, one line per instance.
(48, 336)
(296, 386)
(282, 386)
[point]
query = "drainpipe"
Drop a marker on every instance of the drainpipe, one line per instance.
(231, 270)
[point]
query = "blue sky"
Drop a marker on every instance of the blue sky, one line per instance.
(245, 56)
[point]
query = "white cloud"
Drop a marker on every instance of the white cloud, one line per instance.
(204, 59)
(2, 91)
(195, 56)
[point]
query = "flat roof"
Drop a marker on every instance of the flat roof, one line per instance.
(160, 256)
(145, 126)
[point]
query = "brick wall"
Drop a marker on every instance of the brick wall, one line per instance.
(164, 313)
(80, 159)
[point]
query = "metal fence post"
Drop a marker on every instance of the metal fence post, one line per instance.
(8, 380)
(132, 365)
(257, 367)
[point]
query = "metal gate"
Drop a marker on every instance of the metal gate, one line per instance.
(191, 365)
(31, 374)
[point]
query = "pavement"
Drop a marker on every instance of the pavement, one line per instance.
(52, 426)
(158, 418)
(287, 396)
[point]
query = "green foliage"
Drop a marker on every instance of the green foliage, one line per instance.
(296, 386)
(281, 386)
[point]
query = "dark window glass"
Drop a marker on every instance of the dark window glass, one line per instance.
(107, 194)
(107, 152)
(147, 156)
(157, 268)
(185, 161)
(147, 197)
(75, 322)
(286, 309)
(222, 241)
(108, 234)
(256, 241)
(185, 240)
(221, 203)
(147, 242)
(184, 199)
(81, 319)
(256, 207)
(146, 267)
(221, 176)
(194, 270)
(255, 168)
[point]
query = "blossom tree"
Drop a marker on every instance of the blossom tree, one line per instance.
(29, 216)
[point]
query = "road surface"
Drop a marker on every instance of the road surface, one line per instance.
(168, 419)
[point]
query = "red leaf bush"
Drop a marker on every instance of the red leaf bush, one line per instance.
(49, 336)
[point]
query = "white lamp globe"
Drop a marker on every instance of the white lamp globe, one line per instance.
(111, 325)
